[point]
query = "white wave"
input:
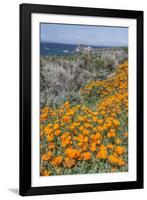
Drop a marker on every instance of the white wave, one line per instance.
(46, 48)
(65, 51)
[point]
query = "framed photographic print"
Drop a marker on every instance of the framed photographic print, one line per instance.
(81, 99)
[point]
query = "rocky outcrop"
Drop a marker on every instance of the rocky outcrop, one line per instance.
(83, 49)
(117, 54)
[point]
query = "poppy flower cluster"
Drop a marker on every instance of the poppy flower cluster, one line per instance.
(80, 138)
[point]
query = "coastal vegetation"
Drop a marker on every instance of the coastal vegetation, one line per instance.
(61, 77)
(84, 112)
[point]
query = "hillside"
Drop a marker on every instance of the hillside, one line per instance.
(89, 134)
(62, 76)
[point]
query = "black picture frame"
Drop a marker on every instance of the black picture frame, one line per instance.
(25, 188)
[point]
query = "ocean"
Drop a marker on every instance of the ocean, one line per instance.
(56, 49)
(59, 49)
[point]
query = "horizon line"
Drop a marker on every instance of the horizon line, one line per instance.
(84, 44)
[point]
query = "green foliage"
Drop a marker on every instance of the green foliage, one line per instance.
(61, 77)
(125, 49)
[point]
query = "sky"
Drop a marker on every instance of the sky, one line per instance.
(83, 34)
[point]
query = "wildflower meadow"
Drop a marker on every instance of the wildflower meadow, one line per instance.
(88, 134)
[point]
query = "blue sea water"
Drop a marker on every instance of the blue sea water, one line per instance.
(56, 49)
(59, 49)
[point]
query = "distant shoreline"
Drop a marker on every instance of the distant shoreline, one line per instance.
(55, 49)
(103, 46)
